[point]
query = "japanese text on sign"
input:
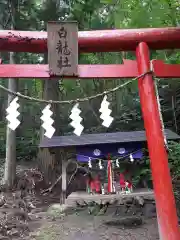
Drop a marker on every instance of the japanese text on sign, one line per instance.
(63, 48)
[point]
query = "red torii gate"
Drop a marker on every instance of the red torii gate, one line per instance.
(139, 40)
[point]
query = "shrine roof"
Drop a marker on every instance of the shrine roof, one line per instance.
(100, 138)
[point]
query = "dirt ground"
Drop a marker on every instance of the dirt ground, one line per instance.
(78, 228)
(47, 223)
(51, 224)
(84, 226)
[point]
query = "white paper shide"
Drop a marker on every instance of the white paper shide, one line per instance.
(76, 120)
(13, 114)
(105, 113)
(48, 121)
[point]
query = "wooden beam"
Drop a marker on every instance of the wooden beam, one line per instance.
(94, 41)
(64, 177)
(126, 70)
(164, 70)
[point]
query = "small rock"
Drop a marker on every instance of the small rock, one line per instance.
(128, 201)
(111, 210)
(59, 207)
(140, 200)
(34, 234)
(149, 210)
(14, 233)
(126, 222)
(120, 210)
(3, 237)
(34, 217)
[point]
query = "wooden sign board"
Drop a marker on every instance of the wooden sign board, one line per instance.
(62, 48)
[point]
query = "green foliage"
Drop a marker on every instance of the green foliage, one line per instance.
(92, 14)
(174, 159)
(144, 171)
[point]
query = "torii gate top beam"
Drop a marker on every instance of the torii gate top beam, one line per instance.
(94, 41)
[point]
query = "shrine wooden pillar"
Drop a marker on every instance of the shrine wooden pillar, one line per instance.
(165, 202)
(64, 181)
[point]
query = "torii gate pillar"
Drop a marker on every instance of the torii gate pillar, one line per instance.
(165, 202)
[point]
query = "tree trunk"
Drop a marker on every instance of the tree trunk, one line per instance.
(51, 168)
(10, 163)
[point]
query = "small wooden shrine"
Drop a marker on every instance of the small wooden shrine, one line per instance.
(109, 157)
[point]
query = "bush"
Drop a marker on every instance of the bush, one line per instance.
(144, 172)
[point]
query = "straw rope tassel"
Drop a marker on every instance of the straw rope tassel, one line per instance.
(159, 108)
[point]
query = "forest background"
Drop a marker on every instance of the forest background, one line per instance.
(30, 15)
